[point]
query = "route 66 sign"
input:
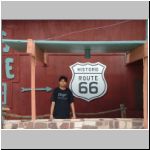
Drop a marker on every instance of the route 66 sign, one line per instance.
(88, 81)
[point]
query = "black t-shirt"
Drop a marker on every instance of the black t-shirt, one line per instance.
(62, 99)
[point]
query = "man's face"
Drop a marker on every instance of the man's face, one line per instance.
(62, 83)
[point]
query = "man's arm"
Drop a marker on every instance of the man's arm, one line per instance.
(73, 110)
(52, 110)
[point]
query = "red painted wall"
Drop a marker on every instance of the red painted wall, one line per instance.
(121, 78)
(43, 29)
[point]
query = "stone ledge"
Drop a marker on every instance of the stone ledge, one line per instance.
(92, 123)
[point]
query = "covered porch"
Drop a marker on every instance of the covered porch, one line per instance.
(38, 49)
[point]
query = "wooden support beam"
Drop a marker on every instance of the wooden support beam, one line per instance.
(45, 58)
(36, 55)
(145, 91)
(31, 47)
(36, 52)
(31, 50)
(33, 95)
(39, 54)
(137, 54)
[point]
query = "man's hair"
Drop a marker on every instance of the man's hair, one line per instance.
(63, 78)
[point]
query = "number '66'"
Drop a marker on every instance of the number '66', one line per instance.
(84, 86)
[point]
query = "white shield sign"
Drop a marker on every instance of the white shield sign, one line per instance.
(88, 81)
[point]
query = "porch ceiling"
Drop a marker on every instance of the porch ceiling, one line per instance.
(76, 46)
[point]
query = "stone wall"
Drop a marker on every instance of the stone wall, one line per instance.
(98, 123)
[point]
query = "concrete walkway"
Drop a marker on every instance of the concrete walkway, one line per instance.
(93, 123)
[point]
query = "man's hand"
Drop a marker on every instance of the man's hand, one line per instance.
(52, 110)
(74, 117)
(73, 111)
(51, 117)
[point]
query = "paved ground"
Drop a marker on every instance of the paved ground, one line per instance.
(94, 123)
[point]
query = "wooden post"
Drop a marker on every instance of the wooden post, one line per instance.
(4, 109)
(145, 91)
(135, 55)
(145, 86)
(31, 50)
(123, 111)
(33, 96)
(36, 55)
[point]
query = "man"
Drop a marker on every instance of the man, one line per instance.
(62, 101)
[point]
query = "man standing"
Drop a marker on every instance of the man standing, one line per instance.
(62, 101)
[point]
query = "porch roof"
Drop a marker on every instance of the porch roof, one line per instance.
(75, 46)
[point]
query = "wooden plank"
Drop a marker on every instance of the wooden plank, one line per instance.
(39, 54)
(45, 58)
(31, 50)
(31, 47)
(35, 51)
(145, 91)
(33, 98)
(137, 54)
(75, 46)
(146, 50)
